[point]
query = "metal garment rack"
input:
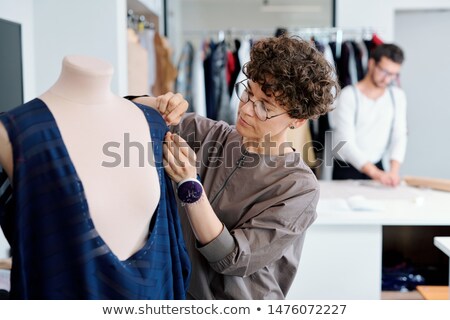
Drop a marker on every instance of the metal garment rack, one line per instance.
(300, 31)
(337, 34)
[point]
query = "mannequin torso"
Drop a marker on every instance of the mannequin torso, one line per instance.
(121, 198)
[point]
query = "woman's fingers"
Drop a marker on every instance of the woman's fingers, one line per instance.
(172, 106)
(184, 148)
(181, 166)
(170, 165)
(173, 154)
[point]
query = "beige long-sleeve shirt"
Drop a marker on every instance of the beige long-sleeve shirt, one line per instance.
(266, 204)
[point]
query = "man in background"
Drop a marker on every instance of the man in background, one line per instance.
(370, 117)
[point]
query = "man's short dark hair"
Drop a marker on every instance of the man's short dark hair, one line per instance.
(390, 51)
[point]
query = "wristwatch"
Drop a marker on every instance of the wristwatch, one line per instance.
(189, 190)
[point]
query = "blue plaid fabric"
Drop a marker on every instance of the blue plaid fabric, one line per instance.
(57, 253)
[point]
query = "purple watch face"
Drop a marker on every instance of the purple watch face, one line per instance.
(190, 191)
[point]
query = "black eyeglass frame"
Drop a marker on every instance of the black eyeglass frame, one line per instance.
(254, 102)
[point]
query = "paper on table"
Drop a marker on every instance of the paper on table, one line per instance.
(361, 203)
(349, 204)
(333, 205)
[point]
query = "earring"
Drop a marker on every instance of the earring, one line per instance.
(292, 127)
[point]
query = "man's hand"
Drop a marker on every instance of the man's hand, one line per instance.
(395, 178)
(391, 179)
(172, 106)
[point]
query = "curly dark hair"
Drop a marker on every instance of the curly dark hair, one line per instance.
(295, 73)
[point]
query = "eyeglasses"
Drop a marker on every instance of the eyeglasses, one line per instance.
(386, 73)
(259, 107)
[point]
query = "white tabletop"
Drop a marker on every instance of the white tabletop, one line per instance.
(443, 243)
(370, 203)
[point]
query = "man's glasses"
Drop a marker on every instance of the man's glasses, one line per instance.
(386, 73)
(259, 107)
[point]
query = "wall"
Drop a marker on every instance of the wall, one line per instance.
(196, 19)
(380, 15)
(365, 13)
(215, 15)
(425, 79)
(22, 12)
(95, 28)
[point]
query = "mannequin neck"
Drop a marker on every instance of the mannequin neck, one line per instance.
(84, 80)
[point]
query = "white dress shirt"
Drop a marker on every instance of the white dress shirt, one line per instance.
(368, 127)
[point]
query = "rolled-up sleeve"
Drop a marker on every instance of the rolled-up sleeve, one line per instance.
(219, 248)
(264, 238)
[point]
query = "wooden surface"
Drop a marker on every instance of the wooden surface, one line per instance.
(424, 182)
(434, 292)
(397, 295)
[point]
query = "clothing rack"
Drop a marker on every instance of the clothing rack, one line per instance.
(338, 34)
(221, 34)
(332, 31)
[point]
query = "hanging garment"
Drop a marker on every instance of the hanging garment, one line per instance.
(364, 56)
(137, 65)
(215, 81)
(231, 67)
(166, 72)
(352, 63)
(184, 79)
(147, 41)
(358, 61)
(237, 66)
(57, 252)
(198, 83)
(208, 47)
(244, 57)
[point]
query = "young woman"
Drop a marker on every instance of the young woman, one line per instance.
(245, 224)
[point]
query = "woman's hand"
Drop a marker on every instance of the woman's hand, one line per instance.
(179, 159)
(172, 106)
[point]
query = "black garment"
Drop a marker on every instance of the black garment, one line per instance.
(215, 80)
(358, 60)
(4, 295)
(344, 171)
(237, 68)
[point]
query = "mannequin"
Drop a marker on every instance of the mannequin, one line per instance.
(113, 203)
(121, 200)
